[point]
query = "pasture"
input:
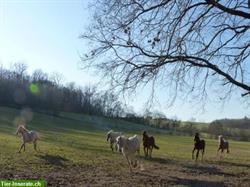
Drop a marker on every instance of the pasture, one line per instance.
(73, 152)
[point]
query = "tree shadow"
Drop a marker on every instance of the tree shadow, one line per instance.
(176, 181)
(159, 160)
(233, 164)
(54, 159)
(208, 170)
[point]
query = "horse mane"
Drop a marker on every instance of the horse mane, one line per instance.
(109, 131)
(220, 139)
(23, 127)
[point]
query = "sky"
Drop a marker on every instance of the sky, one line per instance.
(44, 34)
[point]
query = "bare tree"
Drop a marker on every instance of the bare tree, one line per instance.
(57, 78)
(39, 76)
(192, 47)
(20, 71)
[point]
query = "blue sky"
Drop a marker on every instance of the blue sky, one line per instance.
(44, 35)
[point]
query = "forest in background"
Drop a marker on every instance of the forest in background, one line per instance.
(48, 94)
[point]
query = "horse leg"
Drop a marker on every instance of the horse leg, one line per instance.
(129, 164)
(203, 150)
(197, 154)
(111, 146)
(138, 152)
(222, 152)
(150, 152)
(21, 148)
(34, 143)
(193, 153)
(116, 147)
(134, 163)
(145, 152)
(24, 147)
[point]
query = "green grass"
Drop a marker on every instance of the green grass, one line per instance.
(74, 140)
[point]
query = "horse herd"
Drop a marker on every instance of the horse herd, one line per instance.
(128, 146)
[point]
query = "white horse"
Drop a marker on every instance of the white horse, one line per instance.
(27, 137)
(129, 147)
(111, 137)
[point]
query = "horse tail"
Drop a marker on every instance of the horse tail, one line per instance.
(38, 136)
(204, 146)
(153, 143)
(156, 147)
(227, 147)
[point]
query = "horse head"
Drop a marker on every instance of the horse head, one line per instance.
(108, 134)
(21, 129)
(220, 138)
(121, 141)
(197, 138)
(144, 133)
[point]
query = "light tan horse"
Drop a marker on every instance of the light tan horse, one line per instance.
(27, 137)
(111, 137)
(129, 147)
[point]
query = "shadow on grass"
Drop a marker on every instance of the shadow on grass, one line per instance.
(55, 160)
(208, 170)
(176, 181)
(159, 160)
(234, 164)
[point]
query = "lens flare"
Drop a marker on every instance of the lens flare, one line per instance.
(34, 88)
(19, 96)
(26, 114)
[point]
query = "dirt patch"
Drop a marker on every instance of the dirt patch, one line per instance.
(157, 172)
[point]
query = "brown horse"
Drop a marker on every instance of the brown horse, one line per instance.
(198, 145)
(148, 144)
(223, 144)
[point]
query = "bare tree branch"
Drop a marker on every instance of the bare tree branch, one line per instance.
(191, 47)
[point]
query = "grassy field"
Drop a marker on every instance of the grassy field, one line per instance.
(73, 152)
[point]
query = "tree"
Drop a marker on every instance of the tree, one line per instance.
(20, 71)
(39, 76)
(57, 78)
(192, 47)
(216, 127)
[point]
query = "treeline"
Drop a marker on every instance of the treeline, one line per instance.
(154, 119)
(238, 129)
(233, 123)
(174, 126)
(47, 93)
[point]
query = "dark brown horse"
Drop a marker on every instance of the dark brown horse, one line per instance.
(223, 144)
(148, 144)
(198, 145)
